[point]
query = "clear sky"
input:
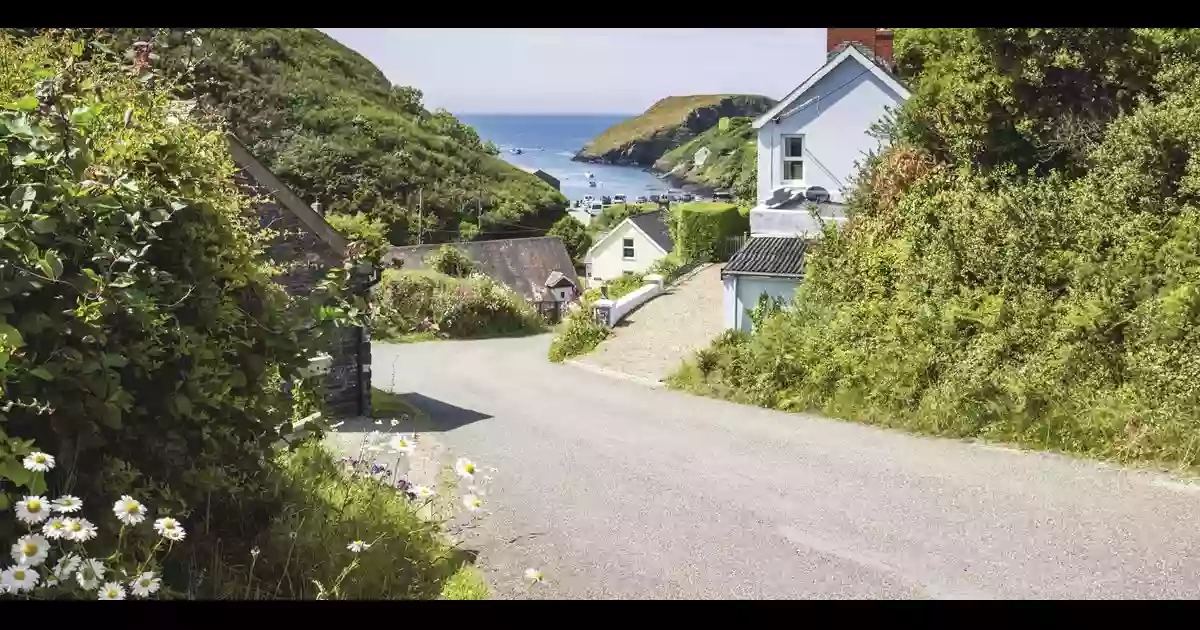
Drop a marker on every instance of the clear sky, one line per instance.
(586, 70)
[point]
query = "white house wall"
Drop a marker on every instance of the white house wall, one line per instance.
(848, 101)
(606, 260)
(746, 292)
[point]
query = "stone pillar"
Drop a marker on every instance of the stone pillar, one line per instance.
(602, 310)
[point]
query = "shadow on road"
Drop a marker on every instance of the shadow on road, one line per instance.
(441, 416)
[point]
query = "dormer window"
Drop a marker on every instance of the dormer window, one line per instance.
(793, 159)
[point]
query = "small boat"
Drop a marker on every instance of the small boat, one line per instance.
(589, 175)
(515, 151)
(592, 183)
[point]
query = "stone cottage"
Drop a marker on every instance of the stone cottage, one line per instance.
(305, 247)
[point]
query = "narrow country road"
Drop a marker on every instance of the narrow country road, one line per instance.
(617, 490)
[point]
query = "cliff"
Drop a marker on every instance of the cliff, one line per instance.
(731, 161)
(669, 123)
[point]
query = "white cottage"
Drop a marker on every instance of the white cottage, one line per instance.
(701, 156)
(631, 247)
(809, 146)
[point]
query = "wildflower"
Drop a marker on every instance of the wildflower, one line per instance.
(90, 574)
(169, 528)
(534, 575)
(79, 529)
(255, 551)
(38, 462)
(112, 591)
(146, 584)
(129, 511)
(472, 502)
(379, 422)
(394, 421)
(465, 468)
(30, 550)
(358, 546)
(19, 578)
(33, 510)
(66, 566)
(55, 528)
(423, 492)
(66, 504)
(403, 444)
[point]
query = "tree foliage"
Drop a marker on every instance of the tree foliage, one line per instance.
(574, 236)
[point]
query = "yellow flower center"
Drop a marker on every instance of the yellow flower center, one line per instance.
(168, 524)
(132, 508)
(19, 574)
(471, 468)
(144, 582)
(34, 506)
(29, 549)
(76, 527)
(40, 459)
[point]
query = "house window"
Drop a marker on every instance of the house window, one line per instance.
(627, 248)
(793, 158)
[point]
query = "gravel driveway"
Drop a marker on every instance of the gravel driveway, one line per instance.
(617, 490)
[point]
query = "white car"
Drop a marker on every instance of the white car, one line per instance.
(618, 199)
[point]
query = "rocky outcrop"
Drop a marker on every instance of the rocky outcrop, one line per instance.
(669, 123)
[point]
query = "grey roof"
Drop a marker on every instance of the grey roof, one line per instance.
(654, 224)
(522, 264)
(883, 64)
(769, 256)
(557, 279)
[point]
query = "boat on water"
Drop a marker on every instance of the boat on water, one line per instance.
(592, 183)
(515, 151)
(589, 175)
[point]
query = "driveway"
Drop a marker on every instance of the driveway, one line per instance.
(617, 490)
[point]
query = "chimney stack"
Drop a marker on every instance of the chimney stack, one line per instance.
(877, 40)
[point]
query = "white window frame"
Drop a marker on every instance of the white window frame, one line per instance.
(786, 159)
(632, 252)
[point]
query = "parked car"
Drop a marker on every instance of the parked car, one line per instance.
(618, 199)
(606, 200)
(686, 197)
(653, 198)
(597, 207)
(722, 195)
(641, 199)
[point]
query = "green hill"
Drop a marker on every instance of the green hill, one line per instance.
(732, 162)
(669, 123)
(332, 126)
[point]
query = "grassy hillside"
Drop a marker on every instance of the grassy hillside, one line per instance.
(732, 164)
(331, 125)
(669, 123)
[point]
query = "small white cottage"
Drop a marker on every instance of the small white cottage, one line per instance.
(631, 247)
(701, 156)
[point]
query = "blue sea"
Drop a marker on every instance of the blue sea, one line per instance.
(548, 142)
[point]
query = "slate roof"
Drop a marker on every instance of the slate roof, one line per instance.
(521, 264)
(558, 280)
(769, 256)
(654, 224)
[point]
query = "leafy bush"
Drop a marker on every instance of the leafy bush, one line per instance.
(701, 229)
(613, 215)
(362, 228)
(451, 261)
(577, 334)
(624, 284)
(415, 302)
(574, 236)
(1002, 281)
(670, 267)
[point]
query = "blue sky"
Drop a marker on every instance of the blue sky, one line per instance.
(586, 70)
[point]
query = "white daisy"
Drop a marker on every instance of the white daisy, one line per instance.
(534, 575)
(129, 511)
(38, 462)
(19, 578)
(472, 502)
(465, 468)
(112, 591)
(79, 529)
(66, 566)
(66, 504)
(145, 584)
(358, 546)
(169, 528)
(403, 444)
(90, 573)
(423, 492)
(30, 550)
(394, 421)
(33, 510)
(55, 528)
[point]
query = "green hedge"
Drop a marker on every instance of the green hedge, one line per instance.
(430, 302)
(700, 228)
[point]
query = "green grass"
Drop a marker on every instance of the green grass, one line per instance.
(466, 583)
(705, 206)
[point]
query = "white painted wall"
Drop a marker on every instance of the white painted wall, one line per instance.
(618, 309)
(741, 295)
(849, 100)
(607, 262)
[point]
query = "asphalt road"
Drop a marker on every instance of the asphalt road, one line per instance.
(618, 490)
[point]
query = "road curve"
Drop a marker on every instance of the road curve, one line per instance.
(618, 490)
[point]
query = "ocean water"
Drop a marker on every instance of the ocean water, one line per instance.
(548, 142)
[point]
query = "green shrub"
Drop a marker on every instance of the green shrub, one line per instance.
(701, 229)
(360, 227)
(624, 284)
(414, 302)
(670, 267)
(574, 237)
(577, 334)
(451, 261)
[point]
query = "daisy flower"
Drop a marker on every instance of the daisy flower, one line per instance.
(465, 468)
(90, 574)
(30, 550)
(423, 492)
(33, 510)
(145, 584)
(129, 511)
(66, 566)
(38, 462)
(55, 528)
(358, 546)
(79, 529)
(472, 502)
(403, 444)
(19, 578)
(66, 504)
(534, 575)
(169, 528)
(112, 591)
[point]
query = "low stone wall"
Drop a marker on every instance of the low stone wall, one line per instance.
(610, 312)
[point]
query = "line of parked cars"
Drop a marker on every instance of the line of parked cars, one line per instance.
(594, 205)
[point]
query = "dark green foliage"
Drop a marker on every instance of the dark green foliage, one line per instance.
(333, 128)
(416, 301)
(613, 215)
(701, 229)
(574, 236)
(732, 165)
(1000, 281)
(451, 261)
(623, 285)
(360, 227)
(577, 334)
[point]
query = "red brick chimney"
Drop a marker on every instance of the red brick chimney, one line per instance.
(878, 40)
